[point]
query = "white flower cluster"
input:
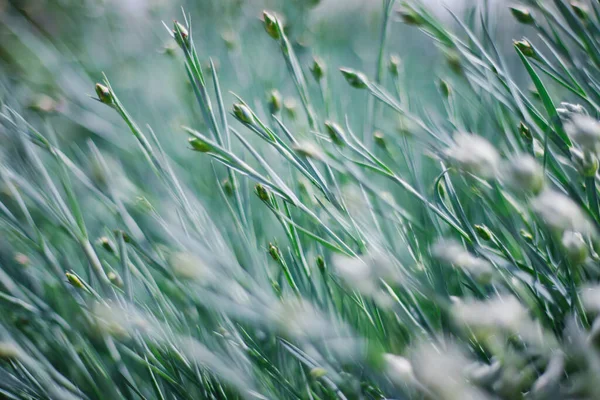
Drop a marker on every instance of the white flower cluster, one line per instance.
(561, 213)
(474, 154)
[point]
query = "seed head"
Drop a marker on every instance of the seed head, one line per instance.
(585, 161)
(523, 15)
(336, 133)
(445, 88)
(199, 145)
(106, 244)
(483, 232)
(379, 139)
(318, 69)
(243, 113)
(354, 78)
(272, 25)
(525, 47)
(104, 94)
(561, 213)
(274, 101)
(523, 174)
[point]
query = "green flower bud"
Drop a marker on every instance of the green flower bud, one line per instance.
(394, 65)
(318, 69)
(586, 162)
(228, 188)
(379, 139)
(274, 101)
(106, 244)
(274, 252)
(526, 235)
(580, 9)
(336, 133)
(321, 263)
(445, 88)
(409, 16)
(354, 78)
(318, 372)
(523, 15)
(243, 113)
(525, 132)
(74, 280)
(525, 47)
(262, 193)
(199, 145)
(104, 94)
(576, 249)
(181, 34)
(453, 61)
(483, 232)
(272, 25)
(115, 279)
(290, 106)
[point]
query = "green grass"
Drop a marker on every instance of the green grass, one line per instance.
(362, 241)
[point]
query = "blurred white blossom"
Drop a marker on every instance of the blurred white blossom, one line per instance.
(560, 212)
(474, 154)
(398, 369)
(523, 173)
(452, 253)
(585, 131)
(575, 247)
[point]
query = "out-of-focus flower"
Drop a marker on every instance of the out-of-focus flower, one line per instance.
(585, 131)
(443, 372)
(452, 253)
(586, 162)
(187, 266)
(575, 247)
(474, 154)
(523, 173)
(590, 297)
(398, 369)
(561, 213)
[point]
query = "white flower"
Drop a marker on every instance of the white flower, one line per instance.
(585, 131)
(590, 297)
(561, 213)
(523, 173)
(474, 154)
(398, 369)
(452, 253)
(575, 247)
(504, 313)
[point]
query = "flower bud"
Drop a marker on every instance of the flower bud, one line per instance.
(272, 25)
(483, 232)
(580, 9)
(586, 162)
(524, 174)
(228, 187)
(180, 33)
(523, 15)
(74, 280)
(321, 263)
(318, 372)
(262, 193)
(354, 78)
(199, 145)
(274, 252)
(525, 47)
(104, 94)
(8, 351)
(525, 132)
(409, 16)
(106, 244)
(290, 106)
(528, 237)
(575, 247)
(115, 279)
(453, 61)
(336, 133)
(379, 139)
(243, 113)
(318, 69)
(274, 101)
(394, 65)
(445, 88)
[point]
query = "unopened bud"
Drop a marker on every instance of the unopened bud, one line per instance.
(228, 187)
(483, 232)
(525, 132)
(115, 279)
(575, 247)
(74, 280)
(379, 139)
(580, 9)
(354, 78)
(199, 145)
(272, 25)
(8, 351)
(106, 244)
(394, 65)
(104, 94)
(274, 252)
(586, 162)
(318, 372)
(321, 263)
(243, 113)
(336, 133)
(526, 235)
(290, 106)
(445, 88)
(523, 15)
(262, 193)
(274, 101)
(318, 69)
(180, 33)
(409, 16)
(525, 47)
(453, 60)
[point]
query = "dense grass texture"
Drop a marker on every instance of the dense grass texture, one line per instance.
(430, 249)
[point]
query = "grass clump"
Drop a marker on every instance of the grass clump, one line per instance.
(446, 251)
